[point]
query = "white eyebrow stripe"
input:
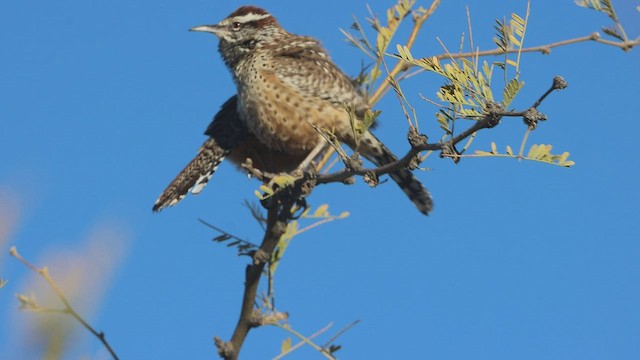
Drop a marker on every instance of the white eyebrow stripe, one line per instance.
(243, 19)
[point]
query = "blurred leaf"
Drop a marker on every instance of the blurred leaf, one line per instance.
(501, 35)
(242, 245)
(613, 32)
(537, 152)
(28, 302)
(286, 345)
(510, 91)
(603, 6)
(322, 211)
(443, 119)
(509, 150)
(221, 238)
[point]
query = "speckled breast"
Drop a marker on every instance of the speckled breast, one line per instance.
(281, 118)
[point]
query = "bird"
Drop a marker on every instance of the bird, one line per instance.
(287, 87)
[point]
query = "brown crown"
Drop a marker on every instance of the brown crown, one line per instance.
(248, 9)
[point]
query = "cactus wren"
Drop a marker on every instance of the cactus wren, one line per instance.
(285, 83)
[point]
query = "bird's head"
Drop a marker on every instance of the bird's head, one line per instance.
(242, 31)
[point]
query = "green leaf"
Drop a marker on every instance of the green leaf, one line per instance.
(501, 35)
(510, 92)
(488, 71)
(443, 120)
(603, 6)
(322, 211)
(509, 150)
(286, 345)
(514, 40)
(613, 32)
(404, 52)
(533, 151)
(470, 113)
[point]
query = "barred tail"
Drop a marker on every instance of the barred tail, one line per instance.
(375, 151)
(194, 176)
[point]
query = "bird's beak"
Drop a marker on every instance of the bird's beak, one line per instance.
(214, 29)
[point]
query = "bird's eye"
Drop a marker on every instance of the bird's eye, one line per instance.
(236, 26)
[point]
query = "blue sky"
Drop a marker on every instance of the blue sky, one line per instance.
(102, 103)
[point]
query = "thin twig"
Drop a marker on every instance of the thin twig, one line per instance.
(302, 342)
(306, 340)
(44, 272)
(342, 331)
(318, 223)
(544, 49)
(470, 28)
(488, 121)
(523, 144)
(418, 22)
(243, 241)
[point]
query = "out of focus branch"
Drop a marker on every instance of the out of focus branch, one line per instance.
(67, 309)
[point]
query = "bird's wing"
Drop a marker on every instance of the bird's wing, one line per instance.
(226, 128)
(309, 70)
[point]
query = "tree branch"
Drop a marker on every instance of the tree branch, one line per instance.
(418, 22)
(544, 49)
(44, 272)
(493, 116)
(280, 207)
(285, 199)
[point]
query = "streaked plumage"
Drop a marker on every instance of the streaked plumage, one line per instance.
(284, 82)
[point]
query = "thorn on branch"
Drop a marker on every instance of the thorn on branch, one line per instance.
(371, 179)
(532, 116)
(559, 83)
(449, 150)
(353, 162)
(225, 349)
(493, 114)
(415, 162)
(415, 138)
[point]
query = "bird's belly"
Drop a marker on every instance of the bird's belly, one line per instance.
(284, 120)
